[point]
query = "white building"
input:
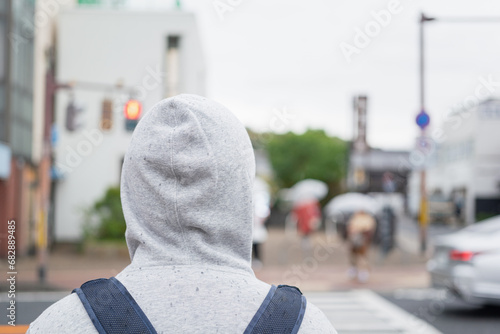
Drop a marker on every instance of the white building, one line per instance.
(466, 164)
(114, 55)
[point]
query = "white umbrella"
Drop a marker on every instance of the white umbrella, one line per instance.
(306, 190)
(351, 202)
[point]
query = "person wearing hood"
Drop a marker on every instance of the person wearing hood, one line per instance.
(186, 191)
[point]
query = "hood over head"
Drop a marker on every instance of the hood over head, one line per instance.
(186, 186)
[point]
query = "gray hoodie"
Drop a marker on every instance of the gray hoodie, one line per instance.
(186, 192)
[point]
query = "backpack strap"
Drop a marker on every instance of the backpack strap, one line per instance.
(112, 309)
(281, 312)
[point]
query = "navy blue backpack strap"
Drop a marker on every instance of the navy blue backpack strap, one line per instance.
(281, 312)
(112, 309)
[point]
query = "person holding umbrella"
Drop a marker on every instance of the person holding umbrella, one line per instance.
(306, 208)
(360, 230)
(308, 216)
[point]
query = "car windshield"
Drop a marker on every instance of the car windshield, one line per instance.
(490, 225)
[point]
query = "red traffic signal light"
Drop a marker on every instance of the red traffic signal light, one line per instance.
(132, 110)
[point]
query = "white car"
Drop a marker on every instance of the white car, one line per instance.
(467, 262)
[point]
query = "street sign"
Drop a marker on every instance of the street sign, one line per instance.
(423, 119)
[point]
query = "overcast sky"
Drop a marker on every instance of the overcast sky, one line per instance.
(284, 56)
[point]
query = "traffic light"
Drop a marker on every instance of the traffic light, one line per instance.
(73, 121)
(132, 110)
(107, 114)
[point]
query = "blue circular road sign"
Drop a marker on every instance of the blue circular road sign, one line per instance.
(423, 119)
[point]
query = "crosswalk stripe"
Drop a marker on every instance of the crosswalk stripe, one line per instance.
(28, 297)
(363, 312)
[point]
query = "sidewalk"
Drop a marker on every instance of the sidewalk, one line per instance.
(321, 267)
(324, 264)
(408, 234)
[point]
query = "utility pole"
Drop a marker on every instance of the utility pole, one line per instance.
(51, 88)
(423, 121)
(423, 118)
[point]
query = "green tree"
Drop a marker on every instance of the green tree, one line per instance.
(105, 220)
(313, 155)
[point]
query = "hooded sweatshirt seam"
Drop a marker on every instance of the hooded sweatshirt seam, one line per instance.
(184, 243)
(207, 143)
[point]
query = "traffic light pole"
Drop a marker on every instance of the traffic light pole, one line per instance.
(42, 226)
(42, 223)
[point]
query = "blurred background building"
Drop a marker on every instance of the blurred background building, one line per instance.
(67, 71)
(107, 58)
(373, 170)
(464, 169)
(19, 158)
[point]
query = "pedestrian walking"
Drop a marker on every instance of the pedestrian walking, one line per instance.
(360, 230)
(308, 216)
(261, 203)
